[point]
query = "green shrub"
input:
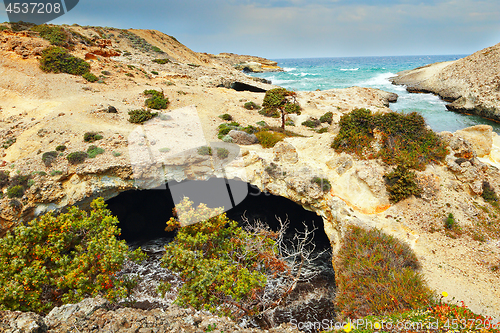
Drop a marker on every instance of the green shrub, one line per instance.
(489, 194)
(140, 116)
(449, 223)
(268, 139)
(322, 130)
(311, 123)
(156, 99)
(280, 100)
(55, 35)
(157, 49)
(400, 184)
(356, 132)
(55, 173)
(61, 148)
(323, 183)
(250, 129)
(222, 153)
(49, 157)
(225, 128)
(164, 150)
(261, 123)
(4, 178)
(251, 106)
(93, 151)
(116, 153)
(226, 116)
(20, 180)
(377, 274)
(161, 61)
(205, 150)
(16, 191)
(220, 263)
(107, 73)
(91, 137)
(63, 259)
(327, 118)
(90, 77)
(58, 60)
(154, 72)
(77, 157)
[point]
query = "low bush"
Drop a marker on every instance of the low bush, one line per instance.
(268, 139)
(449, 223)
(323, 183)
(49, 157)
(93, 151)
(250, 129)
(140, 116)
(16, 191)
(8, 142)
(405, 139)
(154, 72)
(90, 77)
(4, 178)
(156, 99)
(251, 106)
(55, 35)
(377, 274)
(56, 173)
(327, 118)
(61, 148)
(311, 123)
(161, 61)
(57, 260)
(226, 116)
(77, 157)
(58, 60)
(225, 128)
(489, 194)
(205, 150)
(91, 137)
(400, 184)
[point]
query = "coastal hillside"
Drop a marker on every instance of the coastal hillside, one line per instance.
(136, 108)
(471, 84)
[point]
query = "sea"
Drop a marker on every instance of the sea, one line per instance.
(310, 74)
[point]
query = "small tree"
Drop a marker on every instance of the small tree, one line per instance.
(282, 100)
(63, 259)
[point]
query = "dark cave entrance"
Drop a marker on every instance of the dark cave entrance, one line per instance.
(143, 215)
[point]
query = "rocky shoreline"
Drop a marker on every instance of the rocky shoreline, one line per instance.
(470, 85)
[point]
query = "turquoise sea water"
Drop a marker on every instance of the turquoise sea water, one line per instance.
(373, 72)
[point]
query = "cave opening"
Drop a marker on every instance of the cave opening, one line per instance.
(143, 215)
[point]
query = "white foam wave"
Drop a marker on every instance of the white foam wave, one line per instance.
(379, 80)
(289, 69)
(349, 69)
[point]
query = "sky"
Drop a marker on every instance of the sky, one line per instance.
(278, 29)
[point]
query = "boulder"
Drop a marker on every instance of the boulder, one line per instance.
(243, 138)
(285, 152)
(480, 136)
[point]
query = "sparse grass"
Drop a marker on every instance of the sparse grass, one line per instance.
(116, 153)
(56, 173)
(377, 274)
(269, 139)
(222, 153)
(58, 60)
(8, 142)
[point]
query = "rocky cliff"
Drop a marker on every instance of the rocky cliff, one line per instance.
(471, 84)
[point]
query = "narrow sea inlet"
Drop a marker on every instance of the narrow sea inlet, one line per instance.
(310, 74)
